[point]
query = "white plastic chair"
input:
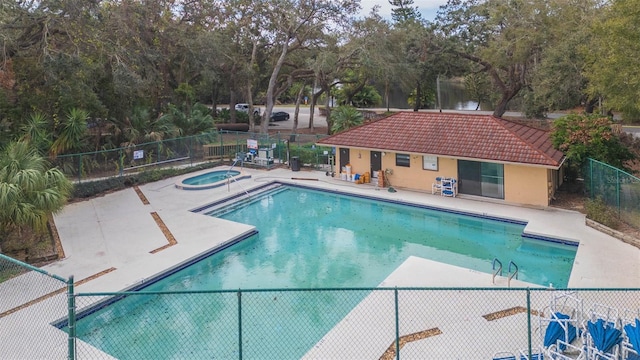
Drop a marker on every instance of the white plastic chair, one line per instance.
(570, 352)
(436, 187)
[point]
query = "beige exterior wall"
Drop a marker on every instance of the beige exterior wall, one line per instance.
(526, 185)
(522, 184)
(413, 177)
(360, 161)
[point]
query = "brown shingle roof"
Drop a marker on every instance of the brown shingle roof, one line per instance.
(453, 134)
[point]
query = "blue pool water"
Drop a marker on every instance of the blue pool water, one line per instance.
(210, 177)
(370, 238)
(306, 239)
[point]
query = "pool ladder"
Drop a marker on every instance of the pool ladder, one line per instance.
(499, 271)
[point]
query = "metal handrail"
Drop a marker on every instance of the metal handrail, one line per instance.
(229, 177)
(510, 274)
(493, 266)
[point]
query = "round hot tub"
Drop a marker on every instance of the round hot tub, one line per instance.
(210, 179)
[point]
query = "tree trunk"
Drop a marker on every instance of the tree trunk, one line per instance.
(297, 111)
(590, 105)
(214, 99)
(416, 105)
(252, 118)
(232, 105)
(264, 125)
(386, 92)
(312, 106)
(327, 105)
(507, 95)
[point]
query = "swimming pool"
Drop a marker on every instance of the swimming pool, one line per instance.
(372, 237)
(210, 179)
(306, 239)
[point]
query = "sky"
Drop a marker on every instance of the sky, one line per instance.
(427, 8)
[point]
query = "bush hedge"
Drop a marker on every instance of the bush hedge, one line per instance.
(89, 189)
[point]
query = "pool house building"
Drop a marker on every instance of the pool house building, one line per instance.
(487, 156)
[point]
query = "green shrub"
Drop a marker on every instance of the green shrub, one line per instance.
(91, 188)
(88, 189)
(598, 211)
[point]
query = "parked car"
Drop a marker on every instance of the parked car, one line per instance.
(245, 108)
(279, 116)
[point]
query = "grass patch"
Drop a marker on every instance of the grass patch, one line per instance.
(598, 211)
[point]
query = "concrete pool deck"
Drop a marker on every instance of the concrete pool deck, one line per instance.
(119, 236)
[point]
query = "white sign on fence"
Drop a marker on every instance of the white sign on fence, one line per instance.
(138, 154)
(252, 144)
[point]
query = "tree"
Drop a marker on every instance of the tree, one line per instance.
(613, 66)
(72, 134)
(403, 11)
(558, 81)
(294, 25)
(501, 38)
(477, 87)
(589, 136)
(344, 118)
(29, 191)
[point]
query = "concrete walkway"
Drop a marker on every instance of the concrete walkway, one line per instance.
(117, 241)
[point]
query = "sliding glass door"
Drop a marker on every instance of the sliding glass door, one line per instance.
(481, 178)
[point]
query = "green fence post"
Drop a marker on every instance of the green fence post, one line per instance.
(397, 325)
(239, 324)
(121, 162)
(71, 302)
(278, 147)
(79, 168)
(618, 190)
(590, 178)
(221, 146)
(529, 322)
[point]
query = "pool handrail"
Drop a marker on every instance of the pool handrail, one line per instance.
(515, 273)
(493, 266)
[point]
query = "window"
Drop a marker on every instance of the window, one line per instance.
(403, 160)
(481, 178)
(430, 163)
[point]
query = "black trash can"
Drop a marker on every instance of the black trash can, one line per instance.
(295, 163)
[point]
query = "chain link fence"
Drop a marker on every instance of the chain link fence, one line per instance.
(28, 298)
(43, 317)
(374, 323)
(269, 151)
(616, 188)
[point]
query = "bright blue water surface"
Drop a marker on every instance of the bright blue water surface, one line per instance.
(307, 239)
(210, 177)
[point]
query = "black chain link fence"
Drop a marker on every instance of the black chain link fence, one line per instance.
(257, 150)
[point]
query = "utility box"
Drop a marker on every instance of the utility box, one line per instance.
(264, 153)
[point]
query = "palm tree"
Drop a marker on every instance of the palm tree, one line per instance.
(30, 191)
(345, 117)
(36, 131)
(197, 121)
(74, 129)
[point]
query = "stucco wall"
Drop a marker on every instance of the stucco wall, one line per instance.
(413, 177)
(359, 160)
(526, 185)
(522, 184)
